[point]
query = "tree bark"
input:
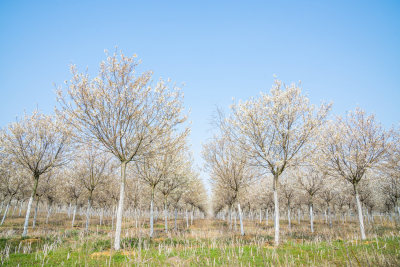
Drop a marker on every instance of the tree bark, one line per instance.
(165, 215)
(20, 208)
(176, 217)
(48, 213)
(288, 217)
(241, 220)
(36, 211)
(276, 215)
(311, 218)
(151, 212)
(74, 213)
(360, 214)
(117, 244)
(88, 212)
(28, 211)
(5, 212)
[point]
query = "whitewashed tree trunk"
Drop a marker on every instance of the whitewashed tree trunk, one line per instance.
(151, 212)
(117, 244)
(266, 217)
(176, 217)
(101, 216)
(5, 212)
(48, 213)
(360, 215)
(230, 217)
(28, 211)
(36, 211)
(88, 214)
(235, 224)
(15, 208)
(165, 216)
(298, 216)
(191, 216)
(288, 216)
(276, 214)
(73, 214)
(260, 216)
(20, 208)
(241, 220)
(311, 218)
(69, 210)
(187, 218)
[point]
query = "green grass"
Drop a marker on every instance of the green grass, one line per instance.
(380, 251)
(206, 243)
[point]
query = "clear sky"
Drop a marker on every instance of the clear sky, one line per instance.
(347, 52)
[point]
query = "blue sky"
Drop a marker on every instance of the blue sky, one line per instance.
(347, 52)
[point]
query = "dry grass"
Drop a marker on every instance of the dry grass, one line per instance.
(206, 242)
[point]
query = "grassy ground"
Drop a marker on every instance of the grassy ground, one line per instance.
(206, 242)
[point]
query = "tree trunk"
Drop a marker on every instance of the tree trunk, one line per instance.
(74, 213)
(69, 210)
(5, 212)
(266, 217)
(330, 216)
(36, 211)
(151, 212)
(165, 215)
(117, 244)
(187, 219)
(288, 217)
(276, 215)
(311, 218)
(191, 216)
(260, 216)
(28, 211)
(20, 208)
(48, 213)
(298, 216)
(176, 217)
(88, 212)
(15, 208)
(241, 220)
(360, 215)
(230, 217)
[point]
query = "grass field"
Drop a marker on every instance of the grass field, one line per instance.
(205, 243)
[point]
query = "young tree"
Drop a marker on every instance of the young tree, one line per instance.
(174, 179)
(311, 181)
(152, 170)
(228, 168)
(12, 182)
(73, 188)
(37, 143)
(123, 112)
(275, 129)
(352, 146)
(94, 167)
